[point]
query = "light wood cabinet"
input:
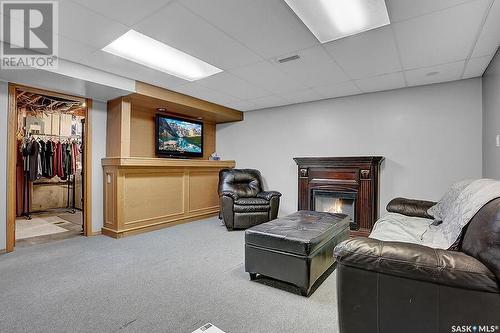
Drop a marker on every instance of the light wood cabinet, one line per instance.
(143, 194)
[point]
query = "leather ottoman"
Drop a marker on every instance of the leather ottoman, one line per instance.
(297, 248)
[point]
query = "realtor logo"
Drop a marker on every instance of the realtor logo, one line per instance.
(29, 34)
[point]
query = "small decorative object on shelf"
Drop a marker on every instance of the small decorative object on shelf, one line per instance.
(214, 157)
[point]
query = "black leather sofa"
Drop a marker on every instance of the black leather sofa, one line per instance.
(243, 201)
(386, 287)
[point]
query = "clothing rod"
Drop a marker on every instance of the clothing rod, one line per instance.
(56, 135)
(52, 183)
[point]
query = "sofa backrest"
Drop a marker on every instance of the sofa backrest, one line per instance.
(482, 237)
(246, 183)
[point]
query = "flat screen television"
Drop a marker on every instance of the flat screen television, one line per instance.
(178, 137)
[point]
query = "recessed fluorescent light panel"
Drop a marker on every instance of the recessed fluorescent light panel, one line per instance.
(333, 19)
(152, 53)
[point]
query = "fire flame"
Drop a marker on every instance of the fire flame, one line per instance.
(336, 207)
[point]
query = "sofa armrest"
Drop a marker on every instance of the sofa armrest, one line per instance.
(267, 195)
(416, 262)
(230, 194)
(410, 207)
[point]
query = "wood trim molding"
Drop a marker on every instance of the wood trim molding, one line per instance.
(87, 198)
(153, 97)
(156, 226)
(49, 93)
(12, 157)
(164, 162)
(11, 169)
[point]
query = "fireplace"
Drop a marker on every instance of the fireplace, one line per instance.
(341, 184)
(335, 202)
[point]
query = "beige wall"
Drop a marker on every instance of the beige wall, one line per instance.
(429, 135)
(491, 119)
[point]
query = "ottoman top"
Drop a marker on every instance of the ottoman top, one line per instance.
(301, 233)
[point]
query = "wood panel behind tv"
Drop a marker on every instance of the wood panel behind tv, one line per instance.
(142, 133)
(131, 130)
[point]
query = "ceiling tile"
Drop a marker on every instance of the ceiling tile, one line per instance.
(340, 89)
(404, 9)
(73, 50)
(368, 54)
(234, 86)
(182, 29)
(382, 82)
(314, 68)
(268, 27)
(81, 24)
(306, 95)
(204, 93)
(242, 106)
(443, 73)
(440, 37)
(268, 102)
(490, 35)
(476, 66)
(117, 65)
(267, 76)
(128, 12)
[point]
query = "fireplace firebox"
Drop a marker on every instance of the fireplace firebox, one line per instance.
(335, 202)
(341, 184)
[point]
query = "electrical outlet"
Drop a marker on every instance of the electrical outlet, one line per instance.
(498, 140)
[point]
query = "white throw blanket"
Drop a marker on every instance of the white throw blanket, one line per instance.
(468, 203)
(400, 228)
(420, 231)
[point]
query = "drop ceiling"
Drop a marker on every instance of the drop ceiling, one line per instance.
(428, 41)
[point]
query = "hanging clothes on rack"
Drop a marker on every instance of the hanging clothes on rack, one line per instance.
(35, 169)
(75, 152)
(59, 162)
(49, 159)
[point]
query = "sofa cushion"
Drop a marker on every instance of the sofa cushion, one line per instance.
(299, 233)
(251, 208)
(244, 182)
(482, 236)
(251, 201)
(417, 262)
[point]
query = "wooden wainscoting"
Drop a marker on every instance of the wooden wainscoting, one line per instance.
(143, 194)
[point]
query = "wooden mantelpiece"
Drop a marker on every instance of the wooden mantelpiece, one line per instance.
(357, 175)
(143, 194)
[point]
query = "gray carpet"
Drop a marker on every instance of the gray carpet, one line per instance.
(171, 280)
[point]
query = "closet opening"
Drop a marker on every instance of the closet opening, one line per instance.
(50, 167)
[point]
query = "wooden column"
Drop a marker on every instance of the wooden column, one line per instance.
(118, 127)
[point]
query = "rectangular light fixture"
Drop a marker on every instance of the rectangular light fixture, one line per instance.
(333, 19)
(152, 53)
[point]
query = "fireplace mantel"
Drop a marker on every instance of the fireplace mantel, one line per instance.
(358, 175)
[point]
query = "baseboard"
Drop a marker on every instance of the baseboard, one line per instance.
(96, 233)
(3, 251)
(161, 225)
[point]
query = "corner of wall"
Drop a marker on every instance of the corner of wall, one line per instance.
(99, 121)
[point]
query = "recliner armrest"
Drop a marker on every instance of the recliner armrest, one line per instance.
(410, 207)
(233, 195)
(417, 262)
(267, 195)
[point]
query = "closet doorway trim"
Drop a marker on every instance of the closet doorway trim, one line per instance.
(12, 157)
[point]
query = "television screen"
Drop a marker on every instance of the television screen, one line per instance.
(178, 137)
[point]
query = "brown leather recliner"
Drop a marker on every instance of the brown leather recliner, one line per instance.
(386, 287)
(243, 202)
